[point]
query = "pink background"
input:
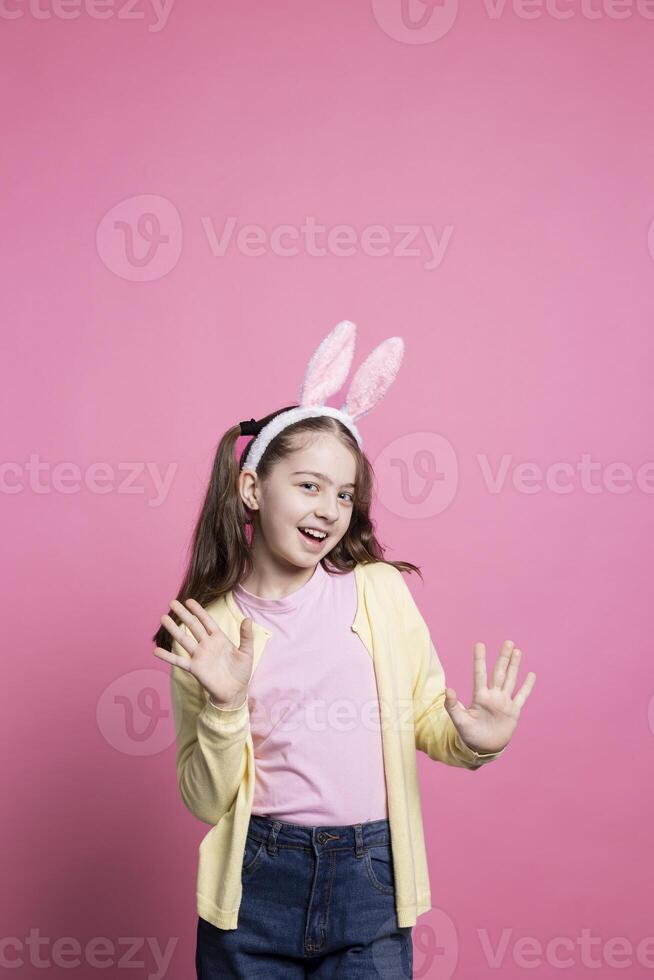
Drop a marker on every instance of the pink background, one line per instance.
(531, 140)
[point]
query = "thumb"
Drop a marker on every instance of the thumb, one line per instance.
(246, 644)
(455, 709)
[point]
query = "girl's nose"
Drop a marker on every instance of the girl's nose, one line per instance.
(327, 511)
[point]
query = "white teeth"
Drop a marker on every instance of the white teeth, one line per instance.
(314, 534)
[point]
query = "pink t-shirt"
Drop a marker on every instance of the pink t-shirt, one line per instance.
(318, 753)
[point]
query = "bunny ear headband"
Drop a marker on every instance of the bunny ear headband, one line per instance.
(325, 374)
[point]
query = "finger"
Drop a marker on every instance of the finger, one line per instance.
(193, 622)
(479, 669)
(172, 658)
(210, 625)
(512, 672)
(178, 633)
(499, 673)
(525, 690)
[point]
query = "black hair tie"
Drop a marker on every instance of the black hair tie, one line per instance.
(250, 427)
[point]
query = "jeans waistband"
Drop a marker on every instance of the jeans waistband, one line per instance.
(358, 836)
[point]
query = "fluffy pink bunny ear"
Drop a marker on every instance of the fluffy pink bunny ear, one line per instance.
(329, 365)
(374, 377)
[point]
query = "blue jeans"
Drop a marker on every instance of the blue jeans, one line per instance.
(317, 902)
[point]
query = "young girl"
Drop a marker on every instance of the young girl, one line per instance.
(303, 681)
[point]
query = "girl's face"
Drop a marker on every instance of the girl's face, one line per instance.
(313, 487)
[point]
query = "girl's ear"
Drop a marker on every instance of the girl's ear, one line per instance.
(329, 365)
(374, 377)
(246, 485)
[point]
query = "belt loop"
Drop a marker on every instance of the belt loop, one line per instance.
(271, 843)
(358, 840)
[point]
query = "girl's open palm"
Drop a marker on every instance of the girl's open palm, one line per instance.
(223, 669)
(488, 724)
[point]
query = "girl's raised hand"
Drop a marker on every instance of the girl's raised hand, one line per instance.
(223, 669)
(488, 724)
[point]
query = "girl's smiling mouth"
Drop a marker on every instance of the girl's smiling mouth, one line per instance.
(313, 540)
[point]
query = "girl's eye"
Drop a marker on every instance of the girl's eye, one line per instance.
(351, 496)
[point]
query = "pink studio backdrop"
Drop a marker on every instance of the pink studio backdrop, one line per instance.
(492, 166)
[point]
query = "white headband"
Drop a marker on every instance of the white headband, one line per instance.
(325, 374)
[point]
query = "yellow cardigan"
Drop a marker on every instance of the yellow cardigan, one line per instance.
(215, 756)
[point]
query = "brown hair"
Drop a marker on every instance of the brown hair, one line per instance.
(220, 555)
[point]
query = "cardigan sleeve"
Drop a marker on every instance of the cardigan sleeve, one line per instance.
(435, 732)
(211, 755)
